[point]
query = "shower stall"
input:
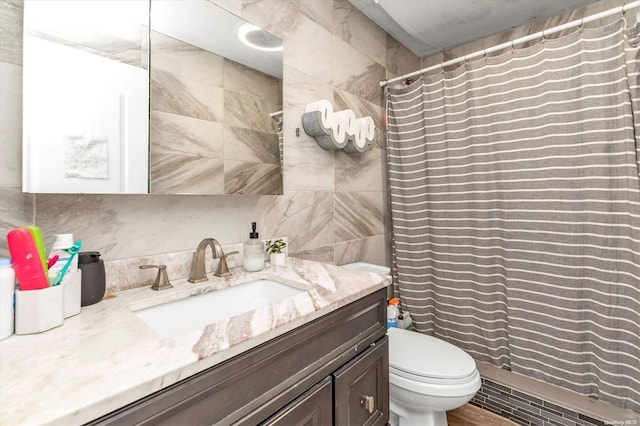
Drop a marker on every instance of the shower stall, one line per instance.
(514, 185)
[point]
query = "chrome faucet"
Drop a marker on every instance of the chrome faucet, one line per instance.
(198, 271)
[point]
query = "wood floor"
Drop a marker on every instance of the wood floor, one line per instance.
(469, 415)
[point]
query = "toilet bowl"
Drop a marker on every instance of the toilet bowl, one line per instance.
(427, 377)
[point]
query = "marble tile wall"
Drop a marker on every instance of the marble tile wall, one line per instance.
(333, 208)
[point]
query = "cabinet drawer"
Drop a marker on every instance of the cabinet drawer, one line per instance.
(313, 408)
(361, 388)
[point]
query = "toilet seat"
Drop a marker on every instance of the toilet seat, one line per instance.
(426, 359)
(432, 380)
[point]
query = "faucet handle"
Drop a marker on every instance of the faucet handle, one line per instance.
(223, 270)
(162, 280)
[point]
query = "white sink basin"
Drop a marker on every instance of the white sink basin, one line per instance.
(172, 318)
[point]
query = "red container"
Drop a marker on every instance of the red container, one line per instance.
(26, 260)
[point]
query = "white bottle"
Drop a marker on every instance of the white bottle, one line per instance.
(60, 247)
(404, 320)
(253, 252)
(7, 290)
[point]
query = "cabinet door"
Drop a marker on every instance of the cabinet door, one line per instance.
(361, 388)
(313, 408)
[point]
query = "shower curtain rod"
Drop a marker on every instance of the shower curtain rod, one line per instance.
(543, 33)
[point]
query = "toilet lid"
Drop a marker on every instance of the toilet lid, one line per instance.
(425, 356)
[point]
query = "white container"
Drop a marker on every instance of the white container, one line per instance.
(253, 256)
(253, 252)
(406, 321)
(278, 259)
(7, 291)
(72, 284)
(39, 310)
(60, 246)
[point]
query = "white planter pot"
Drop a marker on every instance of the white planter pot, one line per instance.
(278, 259)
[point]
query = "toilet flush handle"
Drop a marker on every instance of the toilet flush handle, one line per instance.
(368, 403)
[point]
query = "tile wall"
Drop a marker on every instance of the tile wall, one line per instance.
(527, 410)
(333, 206)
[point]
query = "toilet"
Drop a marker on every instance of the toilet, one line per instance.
(427, 377)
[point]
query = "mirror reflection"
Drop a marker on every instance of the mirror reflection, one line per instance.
(216, 101)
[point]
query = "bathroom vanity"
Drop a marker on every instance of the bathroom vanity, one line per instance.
(337, 362)
(317, 357)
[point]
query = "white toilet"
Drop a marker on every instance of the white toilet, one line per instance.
(427, 377)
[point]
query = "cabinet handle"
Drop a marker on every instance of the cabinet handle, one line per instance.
(368, 403)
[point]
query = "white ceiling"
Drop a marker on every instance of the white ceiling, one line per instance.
(429, 26)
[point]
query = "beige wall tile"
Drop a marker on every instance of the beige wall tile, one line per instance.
(307, 167)
(10, 124)
(11, 31)
(240, 78)
(186, 174)
(319, 11)
(358, 215)
(355, 28)
(186, 60)
(360, 172)
(309, 49)
(250, 145)
(306, 217)
(181, 135)
(180, 95)
(370, 249)
(16, 210)
(356, 73)
(243, 177)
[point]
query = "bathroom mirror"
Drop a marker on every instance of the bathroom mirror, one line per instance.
(216, 101)
(85, 96)
(197, 109)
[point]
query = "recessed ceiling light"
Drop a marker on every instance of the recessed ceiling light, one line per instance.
(258, 38)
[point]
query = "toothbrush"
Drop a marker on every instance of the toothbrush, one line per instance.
(53, 260)
(73, 250)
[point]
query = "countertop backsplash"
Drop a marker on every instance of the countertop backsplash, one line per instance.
(126, 274)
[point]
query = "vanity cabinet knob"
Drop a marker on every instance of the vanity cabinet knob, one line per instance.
(368, 403)
(162, 280)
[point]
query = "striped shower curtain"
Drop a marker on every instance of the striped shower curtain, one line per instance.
(515, 203)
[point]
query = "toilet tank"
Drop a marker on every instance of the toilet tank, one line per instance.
(369, 267)
(377, 269)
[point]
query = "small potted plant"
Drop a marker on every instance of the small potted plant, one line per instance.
(276, 256)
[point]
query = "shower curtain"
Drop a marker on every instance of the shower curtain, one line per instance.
(515, 203)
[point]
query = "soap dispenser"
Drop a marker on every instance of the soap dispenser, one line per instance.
(253, 252)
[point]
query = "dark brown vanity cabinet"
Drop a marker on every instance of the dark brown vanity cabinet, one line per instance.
(361, 388)
(360, 395)
(332, 370)
(313, 408)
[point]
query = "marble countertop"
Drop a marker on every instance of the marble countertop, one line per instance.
(106, 357)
